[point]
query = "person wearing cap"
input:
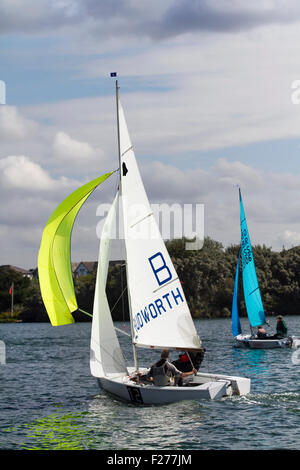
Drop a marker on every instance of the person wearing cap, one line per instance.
(281, 328)
(164, 373)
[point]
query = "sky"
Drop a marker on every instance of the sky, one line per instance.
(210, 90)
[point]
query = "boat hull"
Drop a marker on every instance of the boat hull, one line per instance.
(247, 342)
(203, 386)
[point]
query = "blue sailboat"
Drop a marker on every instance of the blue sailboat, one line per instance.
(252, 296)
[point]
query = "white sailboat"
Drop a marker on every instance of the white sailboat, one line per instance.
(159, 314)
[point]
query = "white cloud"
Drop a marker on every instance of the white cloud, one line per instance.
(67, 148)
(193, 92)
(143, 18)
(234, 89)
(239, 174)
(291, 238)
(270, 207)
(270, 203)
(29, 194)
(15, 126)
(21, 172)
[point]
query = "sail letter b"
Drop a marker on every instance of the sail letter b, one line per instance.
(160, 269)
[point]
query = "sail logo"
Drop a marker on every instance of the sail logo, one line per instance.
(2, 92)
(158, 307)
(160, 268)
(165, 302)
(246, 249)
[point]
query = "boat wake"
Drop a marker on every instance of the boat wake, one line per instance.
(271, 399)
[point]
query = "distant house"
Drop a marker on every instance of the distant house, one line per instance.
(83, 268)
(25, 272)
(88, 267)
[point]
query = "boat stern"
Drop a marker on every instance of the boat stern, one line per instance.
(295, 342)
(239, 386)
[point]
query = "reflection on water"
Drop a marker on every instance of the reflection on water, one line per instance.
(253, 363)
(55, 432)
(154, 426)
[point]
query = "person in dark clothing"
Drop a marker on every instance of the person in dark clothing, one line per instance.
(281, 328)
(261, 333)
(187, 361)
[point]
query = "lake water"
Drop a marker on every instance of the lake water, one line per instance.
(49, 400)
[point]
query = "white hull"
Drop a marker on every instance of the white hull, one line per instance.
(204, 386)
(246, 341)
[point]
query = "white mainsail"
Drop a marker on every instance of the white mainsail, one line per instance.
(106, 358)
(160, 316)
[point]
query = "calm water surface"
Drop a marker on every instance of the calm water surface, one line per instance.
(48, 399)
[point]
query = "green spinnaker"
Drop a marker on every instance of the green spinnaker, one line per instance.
(54, 260)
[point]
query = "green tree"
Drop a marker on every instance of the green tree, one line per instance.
(21, 285)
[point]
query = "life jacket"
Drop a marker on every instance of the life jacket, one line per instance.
(160, 376)
(184, 358)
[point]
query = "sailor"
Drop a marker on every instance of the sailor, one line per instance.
(261, 333)
(187, 361)
(281, 328)
(164, 373)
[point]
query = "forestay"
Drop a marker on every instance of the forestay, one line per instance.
(160, 316)
(252, 295)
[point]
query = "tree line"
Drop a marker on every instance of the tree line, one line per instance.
(207, 278)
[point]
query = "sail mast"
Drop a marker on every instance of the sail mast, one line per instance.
(118, 127)
(135, 354)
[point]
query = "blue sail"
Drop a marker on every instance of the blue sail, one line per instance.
(254, 306)
(235, 321)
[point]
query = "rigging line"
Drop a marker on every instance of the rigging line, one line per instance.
(83, 311)
(123, 332)
(117, 184)
(118, 329)
(118, 299)
(187, 353)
